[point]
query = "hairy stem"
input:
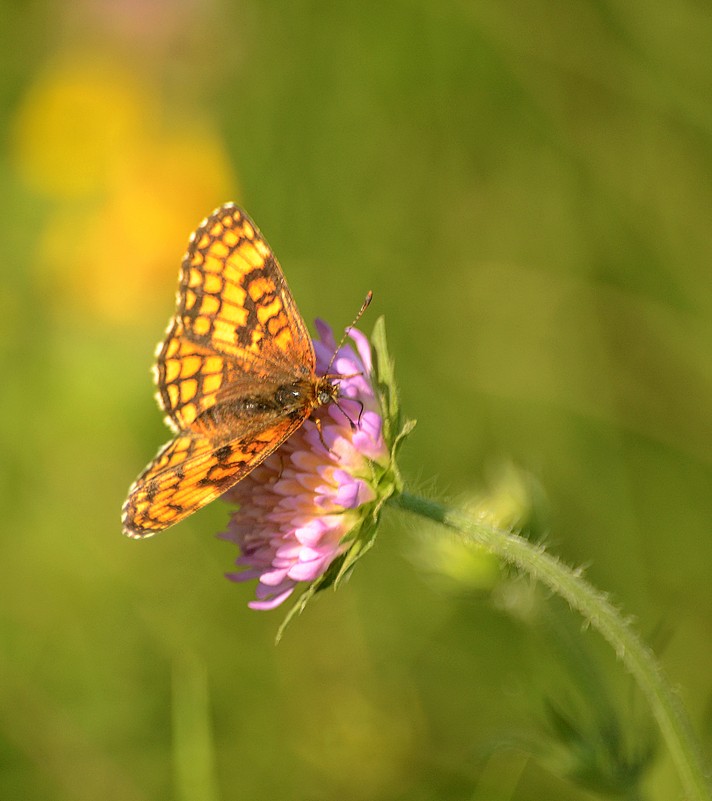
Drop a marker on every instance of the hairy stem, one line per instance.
(601, 615)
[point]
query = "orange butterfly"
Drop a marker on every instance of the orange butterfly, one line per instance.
(235, 374)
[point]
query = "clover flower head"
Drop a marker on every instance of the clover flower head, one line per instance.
(306, 505)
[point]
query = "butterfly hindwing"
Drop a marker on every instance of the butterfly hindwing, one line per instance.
(192, 470)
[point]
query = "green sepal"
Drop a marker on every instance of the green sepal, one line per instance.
(298, 606)
(385, 382)
(394, 431)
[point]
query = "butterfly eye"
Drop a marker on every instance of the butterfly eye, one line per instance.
(323, 397)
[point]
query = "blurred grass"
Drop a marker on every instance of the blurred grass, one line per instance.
(526, 188)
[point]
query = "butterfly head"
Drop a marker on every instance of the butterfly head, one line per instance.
(326, 396)
(325, 390)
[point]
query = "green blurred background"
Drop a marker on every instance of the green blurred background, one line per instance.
(527, 188)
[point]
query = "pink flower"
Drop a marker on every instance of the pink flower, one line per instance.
(306, 505)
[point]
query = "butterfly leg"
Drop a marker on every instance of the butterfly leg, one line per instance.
(317, 423)
(281, 465)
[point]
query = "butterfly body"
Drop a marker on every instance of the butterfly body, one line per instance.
(235, 374)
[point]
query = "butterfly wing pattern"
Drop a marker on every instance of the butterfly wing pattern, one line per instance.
(235, 373)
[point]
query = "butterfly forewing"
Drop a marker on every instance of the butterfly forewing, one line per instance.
(236, 341)
(235, 315)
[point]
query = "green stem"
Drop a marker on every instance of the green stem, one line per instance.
(602, 615)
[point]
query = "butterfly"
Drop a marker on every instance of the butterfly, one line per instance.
(236, 373)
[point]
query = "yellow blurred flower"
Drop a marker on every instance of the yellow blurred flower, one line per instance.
(77, 124)
(126, 188)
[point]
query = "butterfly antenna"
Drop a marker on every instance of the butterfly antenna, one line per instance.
(363, 308)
